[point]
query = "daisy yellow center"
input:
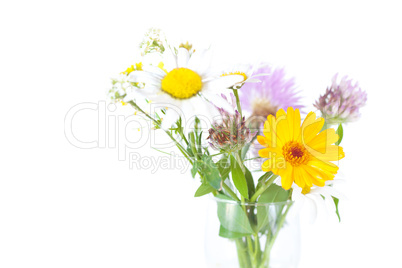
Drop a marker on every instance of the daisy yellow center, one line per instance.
(237, 73)
(182, 83)
(295, 153)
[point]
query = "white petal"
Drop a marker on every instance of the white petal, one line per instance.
(253, 80)
(312, 208)
(331, 191)
(330, 203)
(212, 111)
(182, 58)
(145, 77)
(149, 92)
(222, 82)
(200, 61)
(158, 72)
(166, 100)
(169, 59)
(170, 118)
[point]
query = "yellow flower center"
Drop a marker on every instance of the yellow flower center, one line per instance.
(237, 73)
(295, 153)
(182, 83)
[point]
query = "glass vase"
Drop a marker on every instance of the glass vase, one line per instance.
(252, 235)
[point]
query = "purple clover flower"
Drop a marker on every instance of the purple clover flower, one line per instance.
(341, 102)
(268, 96)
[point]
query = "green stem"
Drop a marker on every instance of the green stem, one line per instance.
(256, 246)
(251, 251)
(230, 192)
(238, 160)
(263, 188)
(270, 242)
(181, 148)
(212, 155)
(244, 261)
(236, 94)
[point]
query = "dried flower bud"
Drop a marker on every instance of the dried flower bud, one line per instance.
(231, 134)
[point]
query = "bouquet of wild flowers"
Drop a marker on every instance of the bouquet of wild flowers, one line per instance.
(252, 115)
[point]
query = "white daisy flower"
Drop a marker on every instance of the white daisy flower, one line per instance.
(184, 84)
(246, 71)
(317, 200)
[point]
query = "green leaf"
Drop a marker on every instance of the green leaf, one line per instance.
(274, 193)
(223, 232)
(192, 144)
(195, 167)
(263, 178)
(250, 182)
(224, 167)
(203, 190)
(199, 143)
(189, 151)
(238, 177)
(211, 172)
(339, 131)
(244, 150)
(336, 201)
(232, 217)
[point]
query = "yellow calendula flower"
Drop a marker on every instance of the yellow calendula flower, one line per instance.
(299, 154)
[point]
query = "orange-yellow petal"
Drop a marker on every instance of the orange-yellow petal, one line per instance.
(294, 122)
(282, 126)
(286, 177)
(298, 177)
(269, 131)
(311, 130)
(311, 127)
(270, 152)
(330, 153)
(267, 165)
(263, 141)
(326, 167)
(317, 176)
(323, 139)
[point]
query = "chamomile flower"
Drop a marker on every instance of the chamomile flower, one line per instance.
(183, 83)
(246, 71)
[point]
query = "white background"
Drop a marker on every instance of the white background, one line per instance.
(61, 206)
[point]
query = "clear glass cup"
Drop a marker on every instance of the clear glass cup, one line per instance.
(252, 235)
